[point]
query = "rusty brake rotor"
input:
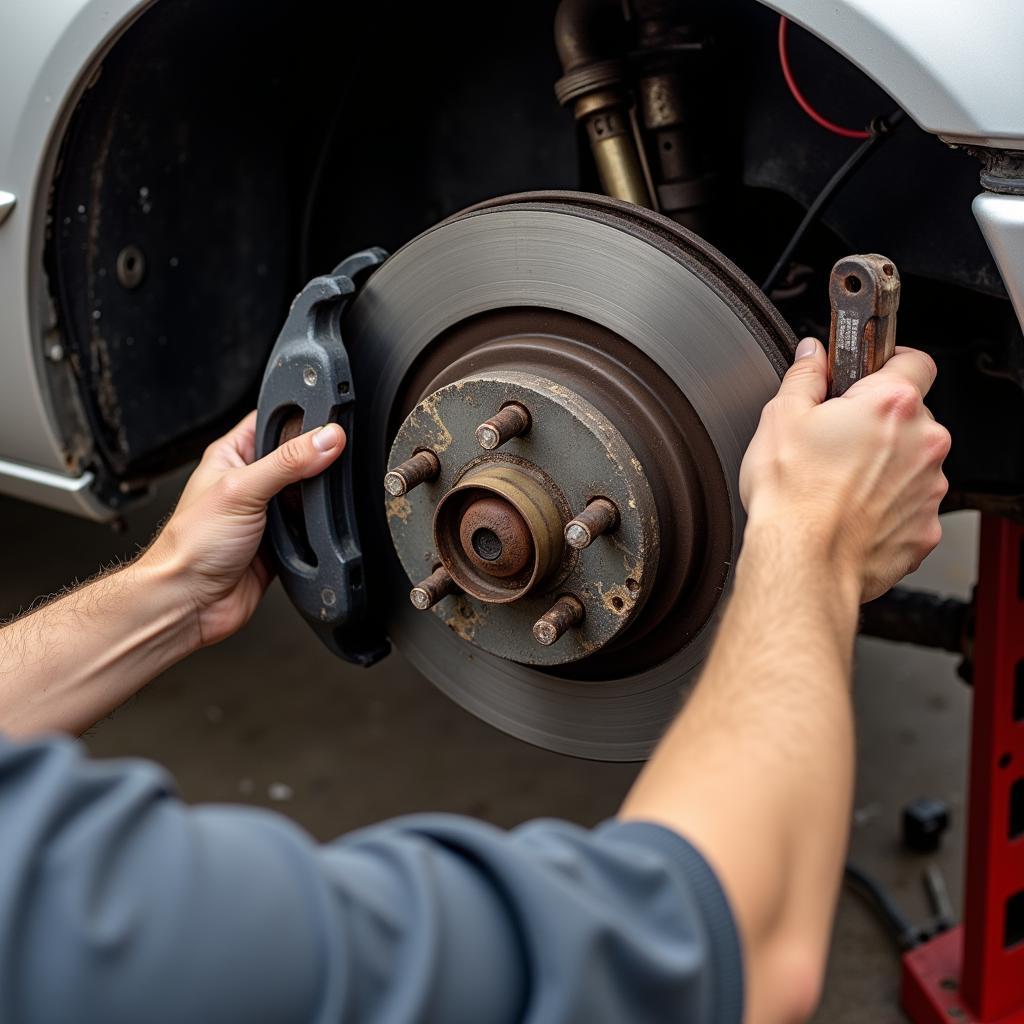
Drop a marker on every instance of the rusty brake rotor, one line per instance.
(563, 389)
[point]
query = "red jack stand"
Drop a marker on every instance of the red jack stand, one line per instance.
(975, 973)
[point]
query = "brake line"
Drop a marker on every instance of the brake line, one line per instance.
(881, 129)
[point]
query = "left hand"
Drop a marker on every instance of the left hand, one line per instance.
(210, 545)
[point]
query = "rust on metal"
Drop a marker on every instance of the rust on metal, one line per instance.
(513, 420)
(565, 613)
(398, 508)
(864, 292)
(465, 619)
(424, 465)
(428, 592)
(600, 516)
(517, 505)
(495, 537)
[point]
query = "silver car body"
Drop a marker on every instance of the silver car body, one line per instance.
(958, 73)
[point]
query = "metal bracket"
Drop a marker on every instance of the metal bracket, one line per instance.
(864, 292)
(313, 532)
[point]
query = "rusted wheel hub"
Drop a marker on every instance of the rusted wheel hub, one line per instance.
(494, 537)
(495, 518)
(497, 531)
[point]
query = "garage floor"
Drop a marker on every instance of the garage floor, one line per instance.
(271, 718)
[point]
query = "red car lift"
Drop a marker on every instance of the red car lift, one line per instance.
(975, 973)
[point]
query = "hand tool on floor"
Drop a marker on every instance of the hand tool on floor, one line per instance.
(864, 292)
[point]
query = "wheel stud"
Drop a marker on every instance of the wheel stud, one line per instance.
(511, 421)
(422, 466)
(600, 516)
(565, 613)
(428, 592)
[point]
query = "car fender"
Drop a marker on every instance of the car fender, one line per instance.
(957, 69)
(49, 54)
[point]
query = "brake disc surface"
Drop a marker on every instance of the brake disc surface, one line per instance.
(631, 274)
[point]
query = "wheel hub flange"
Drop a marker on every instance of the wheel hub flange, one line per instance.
(495, 520)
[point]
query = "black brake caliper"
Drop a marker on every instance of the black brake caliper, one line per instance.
(312, 527)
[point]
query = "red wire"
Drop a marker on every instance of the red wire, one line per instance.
(805, 106)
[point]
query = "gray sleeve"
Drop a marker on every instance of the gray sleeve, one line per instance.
(120, 904)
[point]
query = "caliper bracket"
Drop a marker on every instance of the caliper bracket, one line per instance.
(312, 530)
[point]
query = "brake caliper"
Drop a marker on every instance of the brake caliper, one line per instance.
(312, 527)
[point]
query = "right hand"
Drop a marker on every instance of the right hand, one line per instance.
(860, 475)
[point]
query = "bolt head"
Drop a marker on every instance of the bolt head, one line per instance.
(130, 266)
(577, 536)
(394, 484)
(309, 376)
(544, 633)
(420, 598)
(487, 436)
(328, 596)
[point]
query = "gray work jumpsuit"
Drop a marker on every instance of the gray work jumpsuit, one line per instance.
(119, 903)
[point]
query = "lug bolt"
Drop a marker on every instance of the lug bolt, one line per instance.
(565, 613)
(422, 466)
(511, 421)
(600, 516)
(429, 591)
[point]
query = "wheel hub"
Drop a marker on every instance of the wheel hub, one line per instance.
(497, 530)
(495, 520)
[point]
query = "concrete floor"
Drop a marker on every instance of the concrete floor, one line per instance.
(271, 718)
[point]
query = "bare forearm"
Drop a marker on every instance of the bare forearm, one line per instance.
(71, 662)
(843, 498)
(758, 769)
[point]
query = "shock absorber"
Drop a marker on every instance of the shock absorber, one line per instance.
(588, 36)
(623, 80)
(682, 185)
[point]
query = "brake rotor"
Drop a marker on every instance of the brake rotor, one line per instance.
(643, 358)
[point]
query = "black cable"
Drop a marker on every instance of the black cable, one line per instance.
(313, 187)
(881, 129)
(874, 894)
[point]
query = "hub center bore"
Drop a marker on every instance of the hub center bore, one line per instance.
(498, 531)
(495, 537)
(487, 544)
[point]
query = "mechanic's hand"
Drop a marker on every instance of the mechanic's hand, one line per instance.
(210, 545)
(860, 475)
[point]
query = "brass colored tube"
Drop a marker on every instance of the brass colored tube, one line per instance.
(589, 36)
(609, 132)
(618, 166)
